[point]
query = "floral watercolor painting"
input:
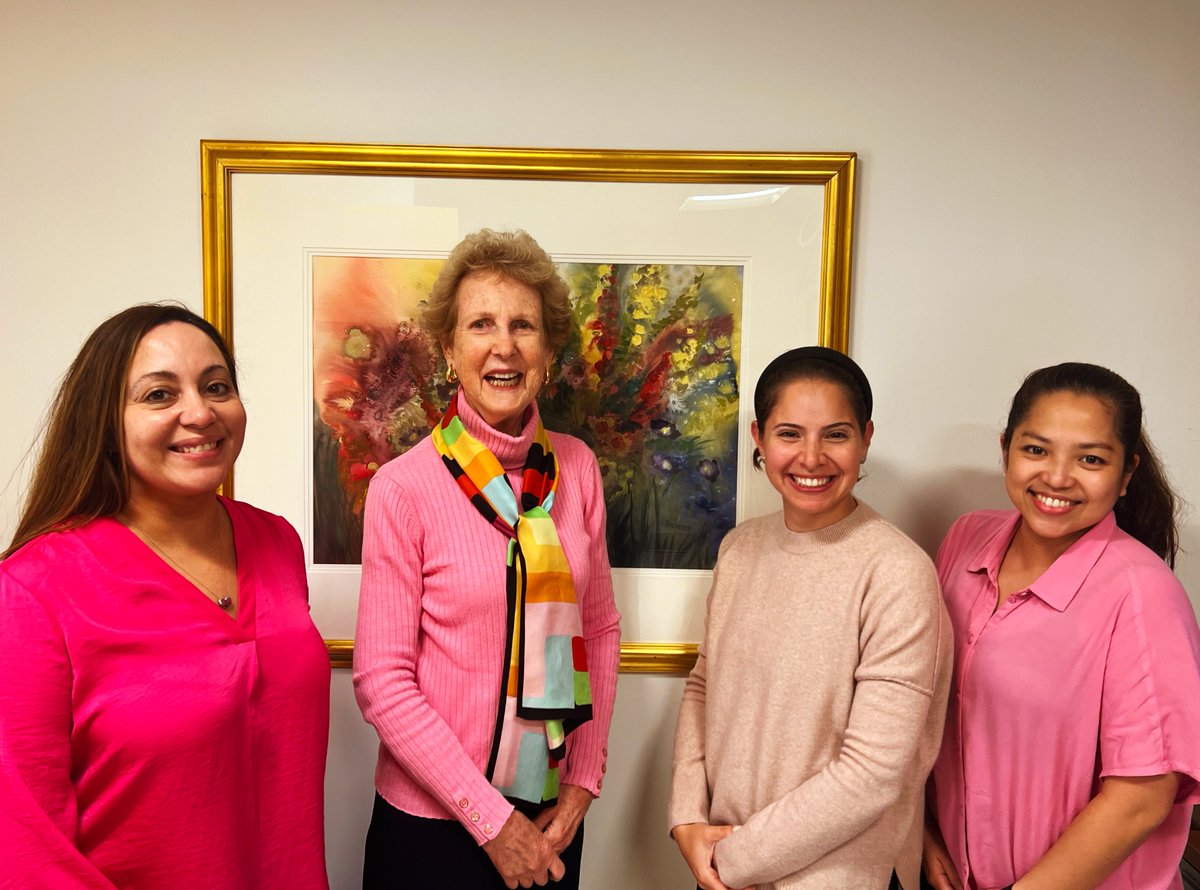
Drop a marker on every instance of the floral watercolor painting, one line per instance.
(648, 378)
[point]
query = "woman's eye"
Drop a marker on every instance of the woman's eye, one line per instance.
(1093, 460)
(838, 435)
(1036, 450)
(219, 388)
(157, 395)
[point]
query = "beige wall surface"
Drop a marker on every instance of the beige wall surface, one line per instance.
(1029, 194)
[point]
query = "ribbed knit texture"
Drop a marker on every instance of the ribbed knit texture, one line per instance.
(815, 708)
(429, 648)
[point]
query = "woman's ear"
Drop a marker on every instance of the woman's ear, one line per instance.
(1129, 474)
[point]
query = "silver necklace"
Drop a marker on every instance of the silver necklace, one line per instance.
(224, 600)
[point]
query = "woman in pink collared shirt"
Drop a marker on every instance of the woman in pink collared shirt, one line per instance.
(1071, 755)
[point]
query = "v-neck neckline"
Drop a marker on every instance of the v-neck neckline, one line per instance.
(243, 622)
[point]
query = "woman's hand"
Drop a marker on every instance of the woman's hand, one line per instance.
(697, 841)
(523, 855)
(560, 822)
(939, 869)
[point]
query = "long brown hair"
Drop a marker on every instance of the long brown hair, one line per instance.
(81, 471)
(1149, 507)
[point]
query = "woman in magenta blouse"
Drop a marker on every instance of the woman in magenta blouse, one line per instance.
(1071, 755)
(164, 711)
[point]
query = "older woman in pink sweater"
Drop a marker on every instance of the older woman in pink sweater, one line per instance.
(487, 640)
(815, 708)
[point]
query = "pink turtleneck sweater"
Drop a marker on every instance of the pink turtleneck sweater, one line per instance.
(429, 648)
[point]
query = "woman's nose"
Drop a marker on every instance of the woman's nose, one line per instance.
(195, 410)
(503, 342)
(1058, 473)
(810, 452)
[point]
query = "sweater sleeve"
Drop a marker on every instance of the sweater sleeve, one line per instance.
(587, 746)
(904, 642)
(690, 800)
(386, 649)
(39, 814)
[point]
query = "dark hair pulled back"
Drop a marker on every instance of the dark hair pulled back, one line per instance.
(811, 363)
(1149, 507)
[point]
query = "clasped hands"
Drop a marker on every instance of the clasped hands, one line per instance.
(698, 843)
(525, 852)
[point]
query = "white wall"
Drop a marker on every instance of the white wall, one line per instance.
(1029, 193)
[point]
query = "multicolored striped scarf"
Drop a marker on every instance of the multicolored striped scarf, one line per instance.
(546, 691)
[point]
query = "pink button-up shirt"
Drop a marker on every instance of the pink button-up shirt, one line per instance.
(1092, 671)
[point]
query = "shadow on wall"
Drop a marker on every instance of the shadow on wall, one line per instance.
(627, 844)
(925, 505)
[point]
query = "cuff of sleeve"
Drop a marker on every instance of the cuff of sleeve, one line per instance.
(482, 811)
(586, 762)
(734, 859)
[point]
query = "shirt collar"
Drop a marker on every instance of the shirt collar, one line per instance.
(1057, 585)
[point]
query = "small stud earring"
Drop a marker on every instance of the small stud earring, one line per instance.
(546, 378)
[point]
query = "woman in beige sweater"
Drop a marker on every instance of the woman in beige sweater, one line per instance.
(815, 709)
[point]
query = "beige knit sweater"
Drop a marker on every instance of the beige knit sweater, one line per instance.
(815, 709)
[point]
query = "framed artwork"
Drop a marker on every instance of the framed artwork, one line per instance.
(689, 271)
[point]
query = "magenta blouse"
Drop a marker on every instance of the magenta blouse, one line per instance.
(149, 740)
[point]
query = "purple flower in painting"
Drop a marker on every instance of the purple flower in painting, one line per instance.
(664, 428)
(575, 373)
(709, 469)
(666, 464)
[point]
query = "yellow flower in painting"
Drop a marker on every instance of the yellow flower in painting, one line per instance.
(357, 344)
(590, 352)
(683, 357)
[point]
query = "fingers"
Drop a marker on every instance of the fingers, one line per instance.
(557, 869)
(939, 878)
(710, 881)
(544, 818)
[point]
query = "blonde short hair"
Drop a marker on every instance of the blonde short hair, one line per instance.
(514, 255)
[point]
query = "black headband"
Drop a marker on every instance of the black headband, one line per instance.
(823, 354)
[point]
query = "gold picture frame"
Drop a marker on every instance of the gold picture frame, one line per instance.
(834, 174)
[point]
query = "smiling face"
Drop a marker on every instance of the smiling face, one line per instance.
(1064, 468)
(183, 420)
(499, 347)
(812, 449)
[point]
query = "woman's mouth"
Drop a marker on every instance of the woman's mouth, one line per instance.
(1050, 504)
(812, 483)
(504, 379)
(196, 449)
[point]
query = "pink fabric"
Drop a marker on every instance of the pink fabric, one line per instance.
(429, 649)
(1094, 671)
(147, 740)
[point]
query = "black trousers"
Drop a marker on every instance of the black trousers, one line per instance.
(406, 852)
